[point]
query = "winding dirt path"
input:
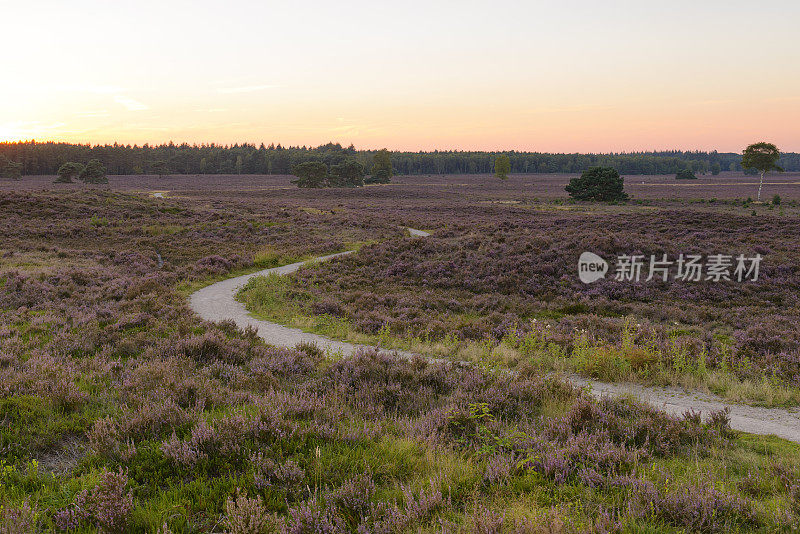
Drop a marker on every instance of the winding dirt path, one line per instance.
(217, 302)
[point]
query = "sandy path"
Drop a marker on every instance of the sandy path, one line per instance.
(216, 303)
(765, 421)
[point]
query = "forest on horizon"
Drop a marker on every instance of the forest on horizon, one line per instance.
(44, 158)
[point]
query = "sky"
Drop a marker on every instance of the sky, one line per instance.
(567, 76)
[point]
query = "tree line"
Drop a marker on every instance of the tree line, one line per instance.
(31, 157)
(606, 184)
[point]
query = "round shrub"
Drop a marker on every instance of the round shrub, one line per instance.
(598, 183)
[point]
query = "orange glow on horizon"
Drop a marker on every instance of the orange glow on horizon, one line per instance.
(619, 77)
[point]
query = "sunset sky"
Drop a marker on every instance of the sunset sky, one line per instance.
(568, 76)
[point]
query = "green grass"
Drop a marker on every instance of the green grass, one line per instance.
(267, 258)
(33, 428)
(187, 287)
(272, 298)
(193, 500)
(32, 425)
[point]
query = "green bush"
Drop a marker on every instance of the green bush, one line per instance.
(380, 176)
(10, 169)
(598, 183)
(94, 173)
(685, 174)
(347, 174)
(68, 172)
(310, 174)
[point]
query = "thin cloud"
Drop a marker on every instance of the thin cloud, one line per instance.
(782, 99)
(99, 89)
(346, 127)
(712, 102)
(13, 131)
(572, 109)
(30, 126)
(146, 127)
(84, 88)
(130, 103)
(245, 89)
(99, 113)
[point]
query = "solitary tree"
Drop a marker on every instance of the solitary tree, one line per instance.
(381, 167)
(310, 174)
(598, 183)
(762, 157)
(502, 166)
(68, 172)
(94, 173)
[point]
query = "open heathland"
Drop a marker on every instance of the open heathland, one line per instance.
(120, 411)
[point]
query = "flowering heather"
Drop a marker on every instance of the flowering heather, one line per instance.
(19, 520)
(699, 509)
(107, 506)
(120, 411)
(244, 515)
(490, 280)
(269, 473)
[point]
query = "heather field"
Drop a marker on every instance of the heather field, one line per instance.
(121, 411)
(523, 187)
(502, 288)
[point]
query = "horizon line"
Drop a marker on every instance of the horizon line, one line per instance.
(418, 151)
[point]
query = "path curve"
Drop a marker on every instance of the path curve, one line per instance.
(217, 303)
